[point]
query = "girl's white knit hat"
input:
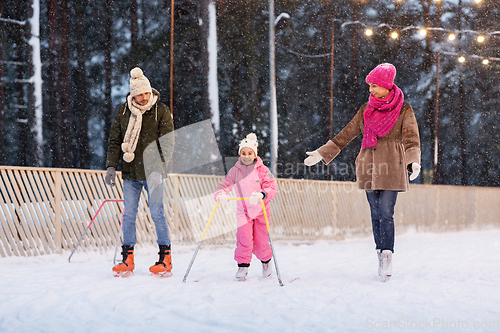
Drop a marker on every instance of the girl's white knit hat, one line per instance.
(251, 142)
(139, 84)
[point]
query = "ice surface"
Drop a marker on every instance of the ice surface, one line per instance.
(441, 282)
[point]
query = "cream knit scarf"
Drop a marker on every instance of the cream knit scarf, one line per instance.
(134, 126)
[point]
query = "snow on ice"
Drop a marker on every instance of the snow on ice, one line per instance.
(442, 282)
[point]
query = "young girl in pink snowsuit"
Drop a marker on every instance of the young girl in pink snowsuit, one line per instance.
(253, 180)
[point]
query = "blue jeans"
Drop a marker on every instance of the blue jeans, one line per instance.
(382, 204)
(131, 195)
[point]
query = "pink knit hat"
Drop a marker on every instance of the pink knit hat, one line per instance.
(383, 76)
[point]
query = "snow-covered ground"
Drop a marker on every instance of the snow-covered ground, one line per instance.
(443, 282)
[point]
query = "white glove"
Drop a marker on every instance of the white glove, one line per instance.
(154, 180)
(254, 198)
(222, 198)
(415, 170)
(314, 157)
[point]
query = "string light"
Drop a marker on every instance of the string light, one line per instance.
(451, 36)
(478, 1)
(422, 31)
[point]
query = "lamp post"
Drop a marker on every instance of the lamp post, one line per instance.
(436, 174)
(272, 87)
(272, 90)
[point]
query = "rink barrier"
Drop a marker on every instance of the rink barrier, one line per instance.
(46, 210)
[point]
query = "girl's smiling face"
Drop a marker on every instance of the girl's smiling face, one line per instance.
(247, 156)
(377, 91)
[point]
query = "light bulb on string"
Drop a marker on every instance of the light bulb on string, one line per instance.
(480, 38)
(422, 32)
(486, 61)
(452, 37)
(368, 32)
(394, 35)
(461, 59)
(478, 1)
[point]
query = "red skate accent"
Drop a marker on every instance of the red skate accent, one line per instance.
(162, 274)
(123, 274)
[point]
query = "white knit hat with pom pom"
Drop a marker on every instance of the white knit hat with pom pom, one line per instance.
(139, 84)
(251, 142)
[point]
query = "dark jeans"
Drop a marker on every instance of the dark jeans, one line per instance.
(382, 204)
(132, 194)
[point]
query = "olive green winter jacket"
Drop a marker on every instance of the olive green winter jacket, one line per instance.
(154, 147)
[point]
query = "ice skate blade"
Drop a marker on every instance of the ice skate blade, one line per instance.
(241, 279)
(123, 274)
(162, 274)
(386, 278)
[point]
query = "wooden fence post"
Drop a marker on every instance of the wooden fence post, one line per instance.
(436, 188)
(58, 211)
(177, 198)
(335, 210)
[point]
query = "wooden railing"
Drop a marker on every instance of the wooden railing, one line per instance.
(46, 210)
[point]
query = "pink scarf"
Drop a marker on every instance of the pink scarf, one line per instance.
(381, 116)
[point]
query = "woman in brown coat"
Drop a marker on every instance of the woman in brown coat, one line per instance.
(390, 149)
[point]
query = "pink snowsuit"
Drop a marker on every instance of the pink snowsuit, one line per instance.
(251, 236)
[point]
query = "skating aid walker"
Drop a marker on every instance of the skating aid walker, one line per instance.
(208, 225)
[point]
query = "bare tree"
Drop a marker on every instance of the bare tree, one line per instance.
(204, 30)
(108, 114)
(30, 155)
(35, 103)
(3, 151)
(134, 26)
(54, 117)
(22, 117)
(81, 115)
(354, 51)
(65, 139)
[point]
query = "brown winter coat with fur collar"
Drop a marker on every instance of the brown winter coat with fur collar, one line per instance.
(384, 166)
